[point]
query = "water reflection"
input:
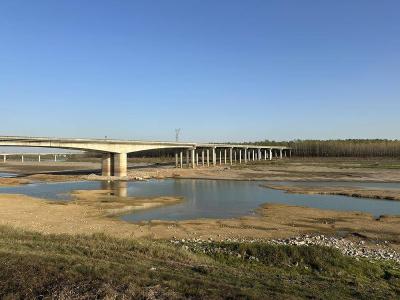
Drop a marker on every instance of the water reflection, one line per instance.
(7, 175)
(207, 198)
(116, 188)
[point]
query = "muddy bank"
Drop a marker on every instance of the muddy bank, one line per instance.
(272, 172)
(362, 170)
(13, 181)
(110, 205)
(91, 214)
(337, 190)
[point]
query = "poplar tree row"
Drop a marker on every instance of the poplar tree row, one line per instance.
(341, 148)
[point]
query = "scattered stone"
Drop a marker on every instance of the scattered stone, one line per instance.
(354, 249)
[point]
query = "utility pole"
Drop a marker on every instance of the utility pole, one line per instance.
(177, 132)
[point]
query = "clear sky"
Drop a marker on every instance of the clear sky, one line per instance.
(220, 70)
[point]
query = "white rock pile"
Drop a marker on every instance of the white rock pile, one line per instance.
(358, 249)
(347, 247)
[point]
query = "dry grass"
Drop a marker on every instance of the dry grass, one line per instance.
(86, 267)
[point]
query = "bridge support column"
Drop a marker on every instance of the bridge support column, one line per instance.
(187, 159)
(240, 156)
(106, 164)
(181, 159)
(224, 156)
(220, 157)
(280, 154)
(245, 156)
(193, 158)
(208, 157)
(4, 158)
(22, 158)
(120, 164)
(39, 158)
(270, 154)
(235, 157)
(202, 157)
(176, 160)
(214, 157)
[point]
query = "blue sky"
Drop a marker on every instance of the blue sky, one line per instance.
(220, 70)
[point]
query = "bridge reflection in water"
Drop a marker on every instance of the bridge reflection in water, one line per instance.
(116, 188)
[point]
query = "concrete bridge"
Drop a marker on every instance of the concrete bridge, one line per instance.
(114, 160)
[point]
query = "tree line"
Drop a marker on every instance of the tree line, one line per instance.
(341, 148)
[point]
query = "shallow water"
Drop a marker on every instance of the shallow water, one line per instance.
(209, 198)
(51, 191)
(366, 185)
(7, 175)
(227, 199)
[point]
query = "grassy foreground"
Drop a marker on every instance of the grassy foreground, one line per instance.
(86, 267)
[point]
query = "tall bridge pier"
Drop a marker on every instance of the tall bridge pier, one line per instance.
(114, 164)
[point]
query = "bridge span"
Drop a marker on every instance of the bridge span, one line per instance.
(114, 152)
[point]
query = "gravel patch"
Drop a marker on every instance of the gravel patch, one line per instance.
(358, 249)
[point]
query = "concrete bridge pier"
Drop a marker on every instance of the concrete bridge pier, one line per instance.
(193, 158)
(106, 164)
(214, 157)
(224, 156)
(120, 164)
(114, 164)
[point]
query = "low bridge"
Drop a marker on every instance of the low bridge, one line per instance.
(114, 152)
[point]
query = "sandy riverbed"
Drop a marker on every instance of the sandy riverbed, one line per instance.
(90, 212)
